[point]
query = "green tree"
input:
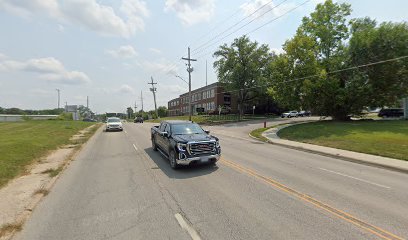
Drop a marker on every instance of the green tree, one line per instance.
(312, 57)
(162, 111)
(387, 82)
(241, 68)
(129, 111)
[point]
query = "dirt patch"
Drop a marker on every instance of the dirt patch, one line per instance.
(19, 197)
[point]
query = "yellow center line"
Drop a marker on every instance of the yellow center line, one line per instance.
(341, 214)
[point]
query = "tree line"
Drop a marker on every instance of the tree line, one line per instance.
(331, 66)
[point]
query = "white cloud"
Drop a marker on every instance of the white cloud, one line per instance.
(173, 89)
(123, 52)
(155, 50)
(265, 8)
(161, 65)
(191, 12)
(87, 13)
(49, 69)
(27, 8)
(61, 28)
(126, 89)
(2, 56)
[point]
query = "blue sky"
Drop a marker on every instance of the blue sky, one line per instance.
(109, 49)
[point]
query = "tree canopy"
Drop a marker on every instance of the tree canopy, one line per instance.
(241, 68)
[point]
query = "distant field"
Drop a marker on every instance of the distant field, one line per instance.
(22, 142)
(384, 138)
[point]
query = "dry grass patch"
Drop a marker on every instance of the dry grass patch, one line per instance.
(42, 191)
(10, 227)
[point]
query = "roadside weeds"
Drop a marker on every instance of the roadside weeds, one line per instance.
(22, 194)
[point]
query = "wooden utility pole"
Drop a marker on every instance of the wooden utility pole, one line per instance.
(153, 90)
(189, 70)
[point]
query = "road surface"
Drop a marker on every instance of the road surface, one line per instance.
(119, 188)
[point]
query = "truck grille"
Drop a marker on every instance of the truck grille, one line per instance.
(202, 148)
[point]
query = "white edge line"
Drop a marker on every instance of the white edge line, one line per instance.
(134, 146)
(184, 225)
(359, 179)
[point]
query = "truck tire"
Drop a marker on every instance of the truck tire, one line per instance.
(172, 159)
(154, 146)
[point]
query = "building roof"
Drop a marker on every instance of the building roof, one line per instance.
(202, 88)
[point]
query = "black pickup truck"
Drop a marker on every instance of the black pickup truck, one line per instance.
(185, 143)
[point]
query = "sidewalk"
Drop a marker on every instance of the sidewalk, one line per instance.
(373, 160)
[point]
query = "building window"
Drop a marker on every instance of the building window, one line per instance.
(212, 93)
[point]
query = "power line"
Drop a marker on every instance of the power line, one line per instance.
(263, 25)
(196, 50)
(217, 26)
(317, 75)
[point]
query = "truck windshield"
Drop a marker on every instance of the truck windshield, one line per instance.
(190, 128)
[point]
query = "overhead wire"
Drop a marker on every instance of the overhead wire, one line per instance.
(263, 25)
(231, 27)
(317, 75)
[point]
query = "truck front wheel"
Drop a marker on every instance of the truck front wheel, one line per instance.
(154, 146)
(172, 158)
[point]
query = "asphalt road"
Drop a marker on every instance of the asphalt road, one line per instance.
(118, 188)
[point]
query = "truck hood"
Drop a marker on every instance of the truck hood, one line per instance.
(193, 138)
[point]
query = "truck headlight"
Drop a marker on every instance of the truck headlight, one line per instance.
(217, 144)
(182, 147)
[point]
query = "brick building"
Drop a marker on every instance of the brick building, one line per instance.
(205, 99)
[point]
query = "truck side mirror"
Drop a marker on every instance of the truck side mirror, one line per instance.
(207, 131)
(164, 134)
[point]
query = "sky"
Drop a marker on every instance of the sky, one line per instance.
(108, 50)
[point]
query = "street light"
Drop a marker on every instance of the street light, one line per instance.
(181, 79)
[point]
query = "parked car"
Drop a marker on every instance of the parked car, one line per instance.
(113, 124)
(304, 114)
(185, 143)
(138, 120)
(391, 112)
(89, 120)
(290, 114)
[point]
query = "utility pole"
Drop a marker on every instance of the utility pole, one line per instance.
(189, 70)
(141, 98)
(135, 107)
(58, 97)
(153, 89)
(206, 81)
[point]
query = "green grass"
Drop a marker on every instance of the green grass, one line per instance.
(383, 138)
(23, 142)
(53, 172)
(257, 133)
(210, 118)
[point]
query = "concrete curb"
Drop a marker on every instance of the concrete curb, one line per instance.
(337, 155)
(345, 158)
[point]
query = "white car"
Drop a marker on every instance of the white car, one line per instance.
(290, 114)
(114, 124)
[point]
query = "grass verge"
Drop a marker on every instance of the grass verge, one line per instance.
(257, 133)
(383, 138)
(23, 142)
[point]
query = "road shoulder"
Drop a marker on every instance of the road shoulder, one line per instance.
(22, 194)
